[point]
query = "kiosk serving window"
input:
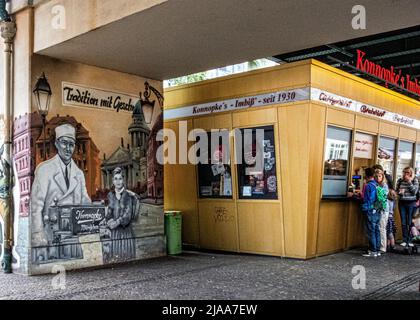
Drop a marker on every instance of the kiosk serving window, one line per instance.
(405, 157)
(257, 176)
(386, 154)
(336, 162)
(214, 176)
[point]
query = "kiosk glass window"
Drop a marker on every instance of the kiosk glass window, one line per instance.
(363, 154)
(257, 176)
(417, 163)
(336, 162)
(405, 157)
(214, 176)
(386, 154)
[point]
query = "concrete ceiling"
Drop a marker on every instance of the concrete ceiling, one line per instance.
(181, 37)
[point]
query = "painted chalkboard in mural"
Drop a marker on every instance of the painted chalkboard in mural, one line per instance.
(123, 207)
(58, 182)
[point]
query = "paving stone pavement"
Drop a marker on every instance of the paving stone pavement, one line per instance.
(203, 275)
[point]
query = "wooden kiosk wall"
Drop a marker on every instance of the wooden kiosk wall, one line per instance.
(299, 224)
(340, 224)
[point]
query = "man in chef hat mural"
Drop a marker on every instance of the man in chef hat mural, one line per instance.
(58, 181)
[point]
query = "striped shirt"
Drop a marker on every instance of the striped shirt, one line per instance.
(410, 189)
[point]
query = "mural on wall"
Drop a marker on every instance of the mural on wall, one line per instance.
(90, 210)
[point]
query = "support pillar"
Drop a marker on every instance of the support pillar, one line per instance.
(8, 32)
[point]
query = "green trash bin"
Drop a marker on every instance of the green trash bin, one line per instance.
(173, 232)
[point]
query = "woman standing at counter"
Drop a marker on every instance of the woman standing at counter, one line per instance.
(387, 223)
(407, 188)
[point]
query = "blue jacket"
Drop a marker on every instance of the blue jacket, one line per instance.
(369, 196)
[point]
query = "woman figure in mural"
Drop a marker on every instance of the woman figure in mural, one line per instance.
(121, 212)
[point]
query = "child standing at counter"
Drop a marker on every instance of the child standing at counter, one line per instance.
(372, 215)
(382, 207)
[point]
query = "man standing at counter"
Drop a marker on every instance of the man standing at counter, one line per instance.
(58, 181)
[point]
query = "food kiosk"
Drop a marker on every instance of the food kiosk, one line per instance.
(322, 127)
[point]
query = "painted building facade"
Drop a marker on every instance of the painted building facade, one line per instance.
(26, 130)
(155, 169)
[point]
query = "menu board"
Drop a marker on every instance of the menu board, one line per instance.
(363, 146)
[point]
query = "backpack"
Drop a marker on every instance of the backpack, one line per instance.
(381, 198)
